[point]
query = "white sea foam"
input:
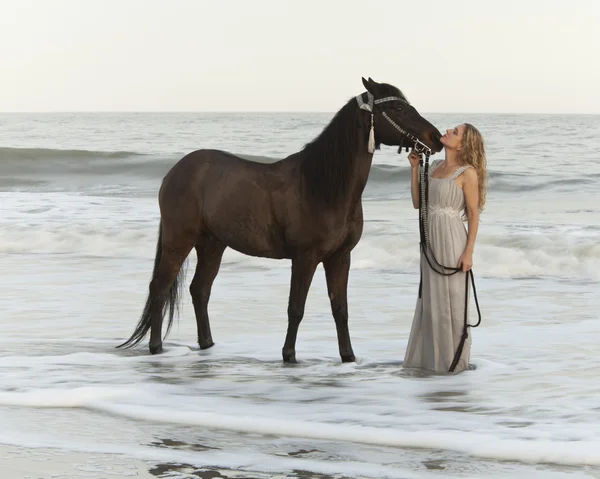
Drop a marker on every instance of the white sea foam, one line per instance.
(573, 452)
(76, 264)
(238, 459)
(479, 445)
(33, 226)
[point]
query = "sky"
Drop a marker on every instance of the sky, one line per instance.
(480, 56)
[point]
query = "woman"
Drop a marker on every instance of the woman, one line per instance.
(457, 188)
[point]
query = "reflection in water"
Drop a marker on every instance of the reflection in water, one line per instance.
(174, 470)
(188, 472)
(436, 465)
(172, 444)
(444, 396)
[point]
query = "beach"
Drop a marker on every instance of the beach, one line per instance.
(78, 230)
(44, 463)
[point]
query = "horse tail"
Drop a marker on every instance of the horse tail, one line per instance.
(172, 301)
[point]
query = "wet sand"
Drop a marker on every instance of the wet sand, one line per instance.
(43, 463)
(46, 463)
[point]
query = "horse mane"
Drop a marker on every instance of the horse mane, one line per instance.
(326, 162)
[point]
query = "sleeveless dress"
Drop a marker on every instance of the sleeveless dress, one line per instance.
(438, 322)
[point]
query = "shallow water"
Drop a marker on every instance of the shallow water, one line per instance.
(77, 246)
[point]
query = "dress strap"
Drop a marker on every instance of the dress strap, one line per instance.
(434, 165)
(458, 172)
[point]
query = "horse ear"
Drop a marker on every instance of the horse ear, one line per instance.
(368, 84)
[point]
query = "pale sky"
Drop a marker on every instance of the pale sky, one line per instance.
(501, 56)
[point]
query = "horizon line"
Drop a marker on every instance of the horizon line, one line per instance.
(31, 112)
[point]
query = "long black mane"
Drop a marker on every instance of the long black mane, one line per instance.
(327, 160)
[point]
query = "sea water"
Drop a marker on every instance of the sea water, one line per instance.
(78, 229)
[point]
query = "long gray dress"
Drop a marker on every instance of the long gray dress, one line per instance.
(438, 322)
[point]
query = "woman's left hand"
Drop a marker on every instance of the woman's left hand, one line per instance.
(465, 262)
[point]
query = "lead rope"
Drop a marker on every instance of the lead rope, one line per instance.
(437, 267)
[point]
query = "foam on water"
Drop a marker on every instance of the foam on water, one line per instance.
(237, 459)
(84, 225)
(77, 245)
(524, 445)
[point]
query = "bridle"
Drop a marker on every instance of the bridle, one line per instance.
(418, 145)
(422, 149)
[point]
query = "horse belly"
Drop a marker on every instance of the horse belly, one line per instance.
(248, 227)
(253, 239)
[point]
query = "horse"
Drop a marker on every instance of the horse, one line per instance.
(306, 208)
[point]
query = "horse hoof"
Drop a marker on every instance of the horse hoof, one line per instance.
(289, 357)
(156, 349)
(206, 345)
(349, 358)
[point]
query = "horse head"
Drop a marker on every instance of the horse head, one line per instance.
(396, 122)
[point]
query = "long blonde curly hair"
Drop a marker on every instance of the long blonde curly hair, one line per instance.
(472, 152)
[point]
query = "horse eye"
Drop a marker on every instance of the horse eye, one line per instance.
(399, 108)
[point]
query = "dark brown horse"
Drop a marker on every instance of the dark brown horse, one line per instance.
(306, 207)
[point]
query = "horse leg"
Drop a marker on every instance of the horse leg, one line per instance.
(337, 269)
(303, 270)
(160, 289)
(210, 251)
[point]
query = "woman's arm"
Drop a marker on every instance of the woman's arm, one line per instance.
(470, 189)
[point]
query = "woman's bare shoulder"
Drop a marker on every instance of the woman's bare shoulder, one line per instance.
(470, 175)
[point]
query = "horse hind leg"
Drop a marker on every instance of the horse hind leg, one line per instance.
(210, 252)
(164, 292)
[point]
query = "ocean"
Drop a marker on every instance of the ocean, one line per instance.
(78, 230)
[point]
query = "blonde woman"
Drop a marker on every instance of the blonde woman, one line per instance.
(457, 190)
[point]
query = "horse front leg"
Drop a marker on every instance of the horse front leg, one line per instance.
(303, 270)
(337, 269)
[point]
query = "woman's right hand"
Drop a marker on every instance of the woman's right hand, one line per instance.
(414, 159)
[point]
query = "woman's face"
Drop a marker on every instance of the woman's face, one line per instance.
(452, 139)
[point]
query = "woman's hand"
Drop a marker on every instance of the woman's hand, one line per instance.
(465, 262)
(414, 159)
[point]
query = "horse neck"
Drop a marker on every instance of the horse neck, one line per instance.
(335, 166)
(361, 166)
